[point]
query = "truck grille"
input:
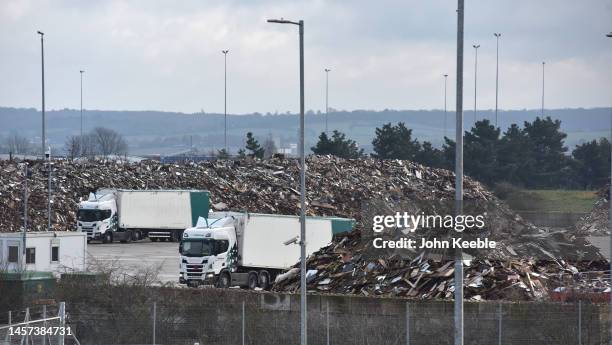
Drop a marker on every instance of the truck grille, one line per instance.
(195, 270)
(89, 231)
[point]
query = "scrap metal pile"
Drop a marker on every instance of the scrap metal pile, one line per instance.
(335, 187)
(597, 222)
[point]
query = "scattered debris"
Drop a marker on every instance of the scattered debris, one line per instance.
(597, 222)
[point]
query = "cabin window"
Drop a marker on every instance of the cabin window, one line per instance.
(30, 255)
(55, 254)
(13, 254)
(222, 246)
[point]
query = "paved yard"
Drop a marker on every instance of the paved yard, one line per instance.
(136, 256)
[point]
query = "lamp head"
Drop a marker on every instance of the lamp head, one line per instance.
(40, 33)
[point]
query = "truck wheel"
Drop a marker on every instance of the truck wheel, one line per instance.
(253, 281)
(108, 238)
(264, 280)
(137, 236)
(224, 280)
(127, 237)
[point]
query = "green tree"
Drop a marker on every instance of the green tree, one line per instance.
(430, 156)
(513, 159)
(481, 146)
(395, 142)
(548, 163)
(256, 151)
(592, 163)
(338, 146)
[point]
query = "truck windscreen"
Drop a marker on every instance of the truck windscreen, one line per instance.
(93, 215)
(200, 247)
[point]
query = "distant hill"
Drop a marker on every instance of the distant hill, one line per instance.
(168, 132)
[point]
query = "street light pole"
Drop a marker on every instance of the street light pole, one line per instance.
(458, 307)
(225, 99)
(81, 136)
(42, 58)
(445, 114)
(49, 189)
(476, 46)
(543, 64)
(497, 36)
(327, 70)
(303, 287)
(25, 215)
(610, 213)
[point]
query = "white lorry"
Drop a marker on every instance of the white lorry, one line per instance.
(126, 215)
(249, 249)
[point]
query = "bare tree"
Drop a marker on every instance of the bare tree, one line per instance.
(108, 141)
(18, 144)
(73, 146)
(269, 147)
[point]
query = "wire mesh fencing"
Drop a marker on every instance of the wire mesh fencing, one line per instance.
(270, 319)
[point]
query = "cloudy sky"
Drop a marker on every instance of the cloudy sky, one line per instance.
(166, 55)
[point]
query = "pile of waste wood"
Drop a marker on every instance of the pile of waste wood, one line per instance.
(334, 186)
(346, 267)
(597, 222)
(527, 263)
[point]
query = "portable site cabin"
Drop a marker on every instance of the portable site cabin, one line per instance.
(57, 252)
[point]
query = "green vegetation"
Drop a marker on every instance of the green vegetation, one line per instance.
(256, 151)
(338, 146)
(551, 200)
(533, 156)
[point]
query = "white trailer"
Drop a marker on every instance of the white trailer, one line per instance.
(250, 249)
(127, 215)
(57, 252)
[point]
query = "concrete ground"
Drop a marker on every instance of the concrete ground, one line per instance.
(130, 258)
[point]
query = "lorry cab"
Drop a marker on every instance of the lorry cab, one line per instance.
(206, 250)
(97, 216)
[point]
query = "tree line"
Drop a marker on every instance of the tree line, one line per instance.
(532, 156)
(100, 141)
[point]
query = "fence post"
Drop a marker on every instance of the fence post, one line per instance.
(327, 318)
(44, 337)
(10, 337)
(407, 324)
(579, 322)
(499, 326)
(154, 319)
(243, 324)
(62, 316)
(26, 321)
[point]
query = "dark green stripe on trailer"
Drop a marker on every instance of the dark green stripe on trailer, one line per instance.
(200, 205)
(340, 225)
